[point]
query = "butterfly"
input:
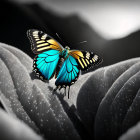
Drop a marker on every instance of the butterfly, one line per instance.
(53, 60)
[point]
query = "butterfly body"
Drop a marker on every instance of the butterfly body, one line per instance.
(52, 60)
(65, 52)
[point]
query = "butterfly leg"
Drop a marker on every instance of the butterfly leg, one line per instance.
(65, 91)
(55, 89)
(68, 91)
(59, 88)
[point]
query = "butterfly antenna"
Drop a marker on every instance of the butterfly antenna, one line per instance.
(82, 42)
(60, 39)
(79, 43)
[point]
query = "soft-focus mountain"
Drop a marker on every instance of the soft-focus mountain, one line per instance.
(18, 18)
(121, 49)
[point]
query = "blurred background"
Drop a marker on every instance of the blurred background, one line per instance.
(110, 27)
(111, 105)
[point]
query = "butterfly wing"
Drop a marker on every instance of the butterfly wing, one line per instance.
(48, 50)
(46, 63)
(41, 41)
(68, 73)
(85, 59)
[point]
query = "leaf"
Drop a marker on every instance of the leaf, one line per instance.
(105, 100)
(132, 134)
(31, 100)
(12, 128)
(103, 104)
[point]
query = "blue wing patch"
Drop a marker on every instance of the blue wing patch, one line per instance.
(46, 63)
(68, 73)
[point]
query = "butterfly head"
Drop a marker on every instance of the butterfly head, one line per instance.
(67, 48)
(65, 52)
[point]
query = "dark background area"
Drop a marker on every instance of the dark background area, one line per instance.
(71, 28)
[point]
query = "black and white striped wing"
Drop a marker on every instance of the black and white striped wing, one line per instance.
(41, 41)
(85, 59)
